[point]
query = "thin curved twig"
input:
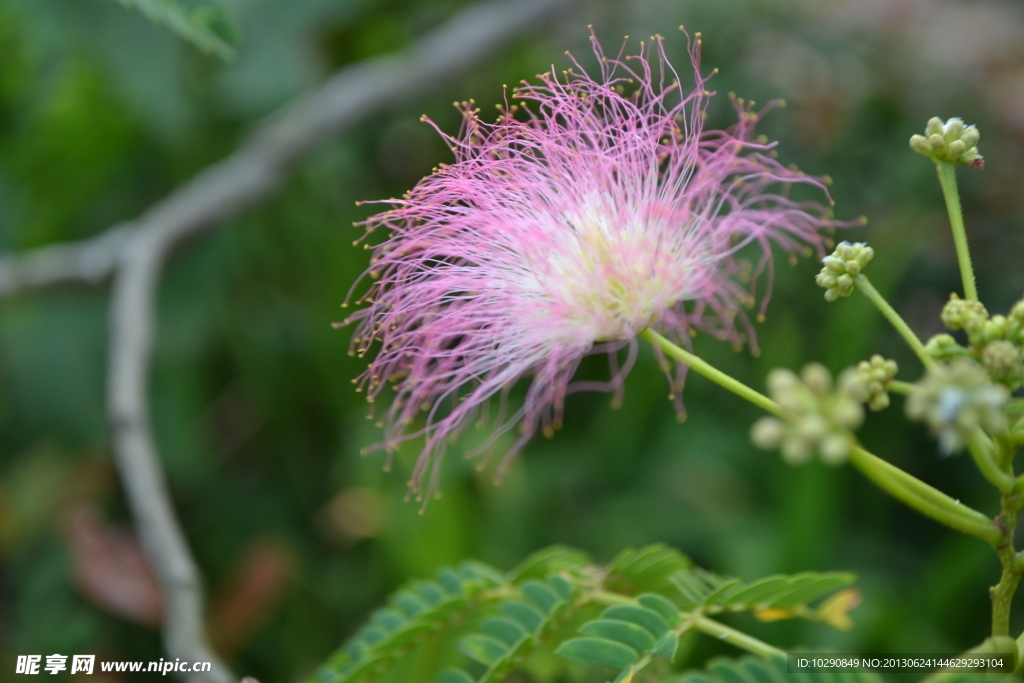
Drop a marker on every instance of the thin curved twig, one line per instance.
(134, 255)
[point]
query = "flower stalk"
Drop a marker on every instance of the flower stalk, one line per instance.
(868, 290)
(891, 479)
(947, 178)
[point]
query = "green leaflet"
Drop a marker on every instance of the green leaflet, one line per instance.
(551, 560)
(647, 570)
(716, 594)
(207, 25)
(599, 652)
(419, 609)
(626, 637)
(502, 642)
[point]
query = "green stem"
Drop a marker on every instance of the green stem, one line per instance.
(697, 364)
(1002, 592)
(924, 498)
(1011, 503)
(898, 387)
(1018, 564)
(910, 490)
(981, 449)
(734, 637)
(865, 286)
(947, 178)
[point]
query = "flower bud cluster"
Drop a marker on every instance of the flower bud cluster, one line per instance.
(869, 382)
(839, 270)
(956, 400)
(949, 141)
(944, 347)
(821, 419)
(997, 341)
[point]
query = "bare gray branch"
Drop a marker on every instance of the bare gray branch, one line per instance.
(135, 255)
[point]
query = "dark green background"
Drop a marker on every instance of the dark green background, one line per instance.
(102, 113)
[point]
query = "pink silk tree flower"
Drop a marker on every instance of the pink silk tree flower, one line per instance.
(596, 208)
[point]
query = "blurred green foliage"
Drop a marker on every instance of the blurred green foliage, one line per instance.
(102, 113)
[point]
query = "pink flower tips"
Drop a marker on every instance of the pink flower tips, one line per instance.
(596, 208)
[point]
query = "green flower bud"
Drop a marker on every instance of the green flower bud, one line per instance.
(879, 402)
(796, 451)
(811, 428)
(781, 380)
(954, 129)
(835, 449)
(970, 137)
(949, 141)
(767, 433)
(1017, 312)
(919, 144)
(838, 270)
(867, 383)
(944, 347)
(956, 400)
(1003, 360)
(847, 413)
(997, 327)
(964, 314)
(819, 418)
(817, 378)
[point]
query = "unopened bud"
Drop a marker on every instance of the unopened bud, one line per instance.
(964, 314)
(819, 420)
(848, 413)
(970, 137)
(943, 347)
(835, 449)
(817, 378)
(1003, 360)
(954, 129)
(1017, 312)
(839, 270)
(796, 451)
(767, 433)
(872, 378)
(996, 327)
(950, 141)
(919, 144)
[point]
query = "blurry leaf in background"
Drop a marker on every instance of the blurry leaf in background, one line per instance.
(207, 25)
(352, 515)
(250, 596)
(110, 569)
(38, 488)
